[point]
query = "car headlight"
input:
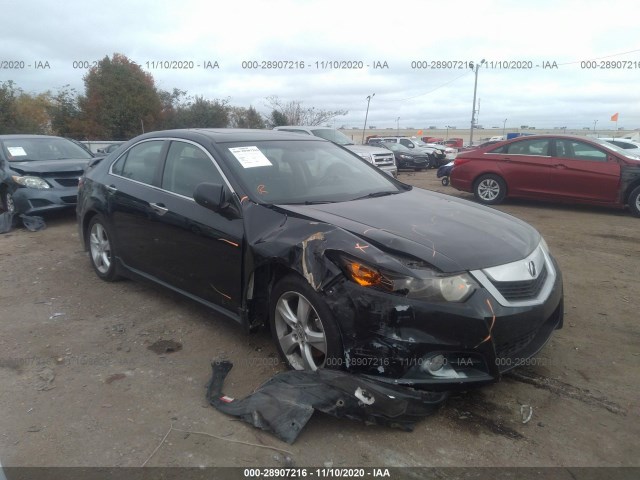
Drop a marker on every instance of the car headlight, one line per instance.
(406, 157)
(31, 182)
(366, 156)
(431, 286)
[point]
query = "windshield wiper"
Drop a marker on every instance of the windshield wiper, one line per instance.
(312, 202)
(377, 194)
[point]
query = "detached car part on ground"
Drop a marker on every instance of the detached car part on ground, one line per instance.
(351, 268)
(559, 168)
(285, 403)
(39, 173)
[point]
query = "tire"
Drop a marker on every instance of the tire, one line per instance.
(490, 189)
(101, 251)
(303, 327)
(634, 201)
(445, 181)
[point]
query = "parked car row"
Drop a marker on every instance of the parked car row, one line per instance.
(438, 154)
(381, 158)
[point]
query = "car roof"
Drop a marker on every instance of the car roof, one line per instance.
(619, 139)
(224, 135)
(306, 127)
(17, 136)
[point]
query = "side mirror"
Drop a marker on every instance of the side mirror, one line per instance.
(216, 198)
(211, 195)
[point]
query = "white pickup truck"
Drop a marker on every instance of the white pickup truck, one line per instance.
(380, 157)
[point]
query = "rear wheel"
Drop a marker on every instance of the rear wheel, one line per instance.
(303, 327)
(634, 201)
(490, 189)
(101, 250)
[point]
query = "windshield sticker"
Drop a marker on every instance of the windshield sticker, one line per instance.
(17, 151)
(250, 157)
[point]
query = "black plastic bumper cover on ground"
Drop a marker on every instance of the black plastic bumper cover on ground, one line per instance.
(285, 403)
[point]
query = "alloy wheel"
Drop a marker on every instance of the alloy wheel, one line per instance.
(488, 189)
(100, 248)
(300, 332)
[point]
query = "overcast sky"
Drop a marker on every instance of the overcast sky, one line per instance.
(310, 31)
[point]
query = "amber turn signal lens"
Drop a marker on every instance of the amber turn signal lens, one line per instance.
(364, 276)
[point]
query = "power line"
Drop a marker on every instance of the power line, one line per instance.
(600, 58)
(430, 91)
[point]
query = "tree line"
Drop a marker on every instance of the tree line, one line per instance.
(120, 101)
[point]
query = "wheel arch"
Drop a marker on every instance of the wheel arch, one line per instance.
(84, 226)
(630, 188)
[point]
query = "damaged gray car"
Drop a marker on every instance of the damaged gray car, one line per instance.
(350, 268)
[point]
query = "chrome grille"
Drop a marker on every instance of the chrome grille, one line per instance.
(522, 290)
(383, 159)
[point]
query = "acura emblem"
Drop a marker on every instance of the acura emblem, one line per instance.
(532, 268)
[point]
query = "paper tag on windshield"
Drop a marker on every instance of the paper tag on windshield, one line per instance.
(17, 151)
(250, 157)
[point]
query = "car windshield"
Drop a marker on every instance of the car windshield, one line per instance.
(617, 149)
(304, 172)
(333, 136)
(33, 149)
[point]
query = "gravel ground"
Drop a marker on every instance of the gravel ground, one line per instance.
(81, 387)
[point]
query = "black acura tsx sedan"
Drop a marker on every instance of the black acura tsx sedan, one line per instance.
(350, 268)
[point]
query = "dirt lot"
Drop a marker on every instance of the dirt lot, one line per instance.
(80, 386)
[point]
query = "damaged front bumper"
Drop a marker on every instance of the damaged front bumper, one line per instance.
(30, 201)
(440, 345)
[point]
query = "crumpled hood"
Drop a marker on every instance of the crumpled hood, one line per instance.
(449, 233)
(39, 167)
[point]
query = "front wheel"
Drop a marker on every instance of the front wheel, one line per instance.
(490, 189)
(303, 327)
(8, 203)
(634, 201)
(445, 181)
(101, 250)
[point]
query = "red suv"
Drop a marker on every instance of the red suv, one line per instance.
(551, 167)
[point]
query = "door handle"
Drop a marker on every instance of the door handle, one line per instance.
(507, 160)
(111, 188)
(159, 208)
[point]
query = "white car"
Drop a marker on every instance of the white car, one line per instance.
(631, 145)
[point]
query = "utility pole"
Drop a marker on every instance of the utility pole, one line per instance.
(475, 90)
(369, 97)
